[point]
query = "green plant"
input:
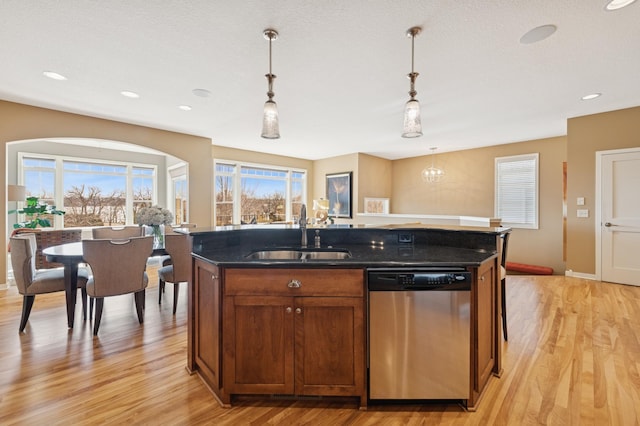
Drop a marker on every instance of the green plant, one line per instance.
(36, 213)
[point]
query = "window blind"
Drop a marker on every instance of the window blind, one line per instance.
(516, 189)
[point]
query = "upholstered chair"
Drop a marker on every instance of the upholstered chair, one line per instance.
(31, 281)
(118, 267)
(179, 248)
(112, 233)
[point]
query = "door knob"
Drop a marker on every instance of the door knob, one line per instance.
(609, 224)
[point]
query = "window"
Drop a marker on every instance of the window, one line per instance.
(180, 193)
(256, 194)
(92, 193)
(516, 181)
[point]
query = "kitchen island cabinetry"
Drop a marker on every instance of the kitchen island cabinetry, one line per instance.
(294, 332)
(204, 324)
(483, 329)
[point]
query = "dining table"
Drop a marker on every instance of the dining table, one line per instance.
(70, 256)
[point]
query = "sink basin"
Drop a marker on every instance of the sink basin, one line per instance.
(328, 255)
(274, 254)
(304, 254)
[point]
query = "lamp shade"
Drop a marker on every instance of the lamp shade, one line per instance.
(16, 192)
(270, 127)
(412, 124)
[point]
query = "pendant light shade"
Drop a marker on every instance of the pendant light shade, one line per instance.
(270, 126)
(412, 123)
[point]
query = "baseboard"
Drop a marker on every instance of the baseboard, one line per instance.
(570, 273)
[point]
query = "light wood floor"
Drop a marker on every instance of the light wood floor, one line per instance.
(573, 358)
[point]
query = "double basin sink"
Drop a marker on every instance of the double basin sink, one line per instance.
(298, 254)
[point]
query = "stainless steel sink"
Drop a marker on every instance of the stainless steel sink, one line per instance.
(327, 255)
(274, 254)
(287, 254)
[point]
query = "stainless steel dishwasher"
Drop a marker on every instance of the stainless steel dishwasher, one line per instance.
(418, 333)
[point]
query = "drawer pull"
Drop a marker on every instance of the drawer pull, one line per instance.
(298, 310)
(294, 284)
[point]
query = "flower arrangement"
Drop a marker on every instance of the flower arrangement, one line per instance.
(154, 215)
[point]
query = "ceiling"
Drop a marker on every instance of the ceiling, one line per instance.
(341, 68)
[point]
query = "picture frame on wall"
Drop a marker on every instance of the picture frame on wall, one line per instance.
(339, 194)
(376, 205)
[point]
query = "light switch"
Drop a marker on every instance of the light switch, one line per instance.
(583, 212)
(580, 201)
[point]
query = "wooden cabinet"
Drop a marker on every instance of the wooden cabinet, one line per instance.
(483, 328)
(294, 332)
(205, 313)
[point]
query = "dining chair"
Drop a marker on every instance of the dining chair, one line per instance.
(503, 282)
(118, 268)
(31, 281)
(115, 233)
(178, 246)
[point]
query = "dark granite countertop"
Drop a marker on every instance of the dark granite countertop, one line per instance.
(377, 247)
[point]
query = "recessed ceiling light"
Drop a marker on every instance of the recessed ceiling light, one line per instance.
(185, 107)
(54, 75)
(617, 4)
(538, 34)
(129, 94)
(591, 96)
(203, 93)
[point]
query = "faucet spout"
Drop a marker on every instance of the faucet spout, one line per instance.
(303, 225)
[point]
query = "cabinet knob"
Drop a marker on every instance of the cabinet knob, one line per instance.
(482, 278)
(298, 310)
(294, 284)
(214, 277)
(288, 310)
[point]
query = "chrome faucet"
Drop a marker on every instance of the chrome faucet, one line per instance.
(303, 224)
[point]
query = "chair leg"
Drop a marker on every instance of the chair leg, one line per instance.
(27, 304)
(175, 297)
(84, 303)
(90, 307)
(504, 307)
(139, 297)
(160, 290)
(98, 317)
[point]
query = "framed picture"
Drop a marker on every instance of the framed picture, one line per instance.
(339, 194)
(376, 205)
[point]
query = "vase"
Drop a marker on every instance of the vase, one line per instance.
(157, 231)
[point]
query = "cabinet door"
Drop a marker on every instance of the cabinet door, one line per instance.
(258, 344)
(485, 325)
(329, 352)
(205, 309)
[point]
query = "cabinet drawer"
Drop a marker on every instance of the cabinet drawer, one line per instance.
(283, 282)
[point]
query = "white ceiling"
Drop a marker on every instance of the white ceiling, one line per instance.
(341, 68)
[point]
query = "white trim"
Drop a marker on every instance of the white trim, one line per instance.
(570, 273)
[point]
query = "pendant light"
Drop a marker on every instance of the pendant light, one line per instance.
(432, 174)
(270, 127)
(412, 125)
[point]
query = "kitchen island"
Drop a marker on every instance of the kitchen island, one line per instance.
(270, 317)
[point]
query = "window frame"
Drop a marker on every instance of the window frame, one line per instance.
(533, 193)
(237, 176)
(59, 179)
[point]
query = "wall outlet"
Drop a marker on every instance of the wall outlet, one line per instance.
(405, 238)
(583, 213)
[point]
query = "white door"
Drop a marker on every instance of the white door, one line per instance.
(620, 216)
